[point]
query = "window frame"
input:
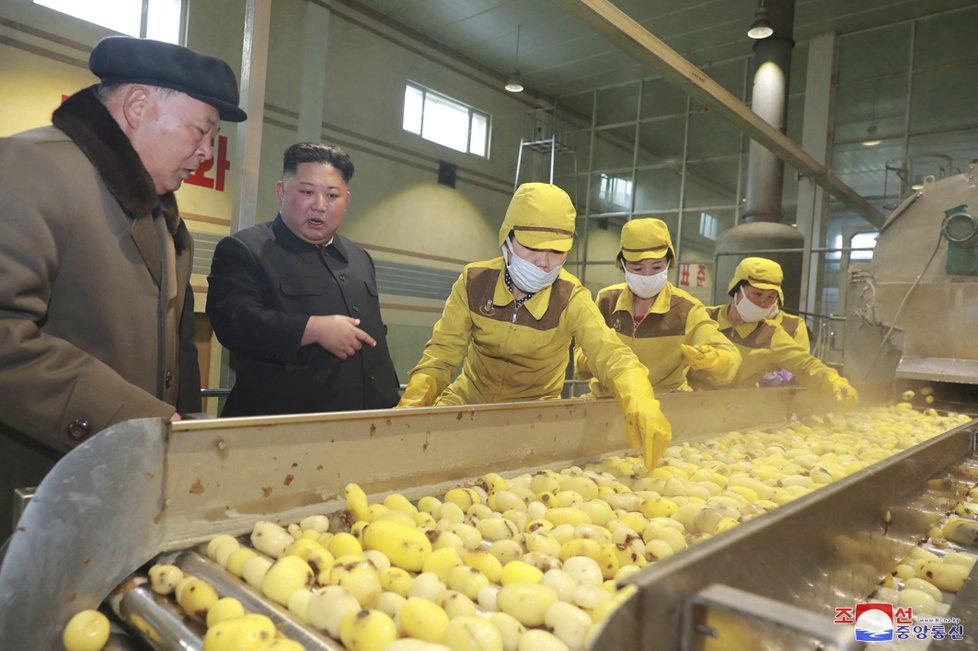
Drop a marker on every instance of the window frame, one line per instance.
(472, 113)
(709, 225)
(144, 12)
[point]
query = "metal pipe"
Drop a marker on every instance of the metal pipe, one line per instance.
(817, 249)
(229, 585)
(772, 66)
(160, 622)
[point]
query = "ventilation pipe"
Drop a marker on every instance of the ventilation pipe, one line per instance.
(762, 229)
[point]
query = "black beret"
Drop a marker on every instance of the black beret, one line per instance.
(127, 60)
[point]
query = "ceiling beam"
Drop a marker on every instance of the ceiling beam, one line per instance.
(621, 30)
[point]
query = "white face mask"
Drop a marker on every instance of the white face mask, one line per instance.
(752, 312)
(646, 286)
(526, 275)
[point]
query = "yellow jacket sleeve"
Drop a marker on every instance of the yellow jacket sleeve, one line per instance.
(801, 336)
(450, 338)
(702, 331)
(810, 371)
(582, 369)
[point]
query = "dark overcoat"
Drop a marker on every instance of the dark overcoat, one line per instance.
(264, 284)
(93, 329)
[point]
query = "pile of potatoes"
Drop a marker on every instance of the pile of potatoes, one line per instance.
(933, 572)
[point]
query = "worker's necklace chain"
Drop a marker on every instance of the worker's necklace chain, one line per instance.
(509, 286)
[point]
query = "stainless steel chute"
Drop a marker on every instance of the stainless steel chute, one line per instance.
(145, 487)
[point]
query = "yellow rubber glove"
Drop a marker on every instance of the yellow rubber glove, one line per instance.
(704, 357)
(844, 392)
(645, 424)
(421, 391)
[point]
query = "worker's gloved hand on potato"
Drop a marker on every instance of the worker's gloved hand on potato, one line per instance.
(645, 424)
(704, 357)
(844, 392)
(421, 391)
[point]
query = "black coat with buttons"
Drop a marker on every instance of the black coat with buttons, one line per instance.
(264, 285)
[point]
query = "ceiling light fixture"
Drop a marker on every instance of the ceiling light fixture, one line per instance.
(515, 82)
(761, 27)
(871, 139)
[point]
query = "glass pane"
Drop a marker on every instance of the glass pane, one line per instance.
(871, 110)
(122, 16)
(696, 249)
(573, 155)
(941, 98)
(863, 241)
(657, 189)
(577, 109)
(618, 104)
(479, 135)
(661, 98)
(698, 242)
(575, 187)
(799, 69)
(730, 75)
(711, 183)
(947, 38)
(603, 243)
(864, 168)
(711, 135)
(534, 165)
(611, 193)
(445, 122)
(940, 154)
(413, 102)
(613, 148)
(163, 20)
(661, 140)
(873, 53)
(789, 194)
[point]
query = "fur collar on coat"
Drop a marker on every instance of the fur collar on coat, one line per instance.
(84, 119)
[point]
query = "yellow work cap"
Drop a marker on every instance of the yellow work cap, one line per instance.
(542, 216)
(645, 238)
(760, 273)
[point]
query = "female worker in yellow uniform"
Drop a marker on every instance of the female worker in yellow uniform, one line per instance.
(764, 345)
(668, 328)
(511, 320)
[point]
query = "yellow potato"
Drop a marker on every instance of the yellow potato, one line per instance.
(88, 630)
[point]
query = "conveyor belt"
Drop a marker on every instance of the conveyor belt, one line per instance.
(144, 489)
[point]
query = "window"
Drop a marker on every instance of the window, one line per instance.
(448, 122)
(162, 17)
(616, 190)
(865, 240)
(709, 225)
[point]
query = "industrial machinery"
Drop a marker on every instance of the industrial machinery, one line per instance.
(911, 314)
(145, 488)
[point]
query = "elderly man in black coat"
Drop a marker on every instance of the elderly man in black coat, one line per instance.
(296, 302)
